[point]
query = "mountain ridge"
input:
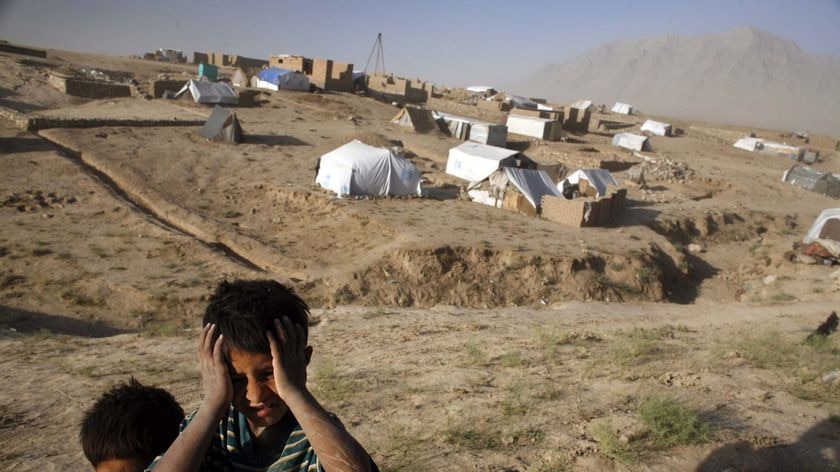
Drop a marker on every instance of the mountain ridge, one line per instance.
(745, 76)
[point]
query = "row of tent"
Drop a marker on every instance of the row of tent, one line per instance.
(357, 169)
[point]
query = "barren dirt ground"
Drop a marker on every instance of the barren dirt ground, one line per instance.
(448, 335)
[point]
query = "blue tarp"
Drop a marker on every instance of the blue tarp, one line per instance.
(273, 74)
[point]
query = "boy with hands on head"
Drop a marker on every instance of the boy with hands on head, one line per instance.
(256, 411)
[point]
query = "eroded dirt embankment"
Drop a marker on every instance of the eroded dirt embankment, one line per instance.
(475, 277)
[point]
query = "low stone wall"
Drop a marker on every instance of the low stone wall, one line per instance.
(88, 88)
(34, 123)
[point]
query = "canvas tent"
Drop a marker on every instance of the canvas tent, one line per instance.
(596, 178)
(535, 127)
(622, 108)
(420, 119)
(222, 127)
(475, 161)
(824, 183)
(474, 130)
(657, 128)
(582, 104)
(631, 141)
(533, 184)
(209, 92)
(482, 89)
(359, 169)
(275, 78)
(770, 147)
(826, 226)
(748, 144)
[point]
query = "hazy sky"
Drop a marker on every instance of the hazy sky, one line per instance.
(450, 42)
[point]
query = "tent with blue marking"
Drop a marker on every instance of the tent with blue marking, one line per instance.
(275, 78)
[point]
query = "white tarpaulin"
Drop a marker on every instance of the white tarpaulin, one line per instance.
(630, 141)
(581, 104)
(469, 128)
(275, 78)
(656, 127)
(623, 108)
(533, 184)
(748, 144)
(770, 147)
(210, 92)
(480, 89)
(475, 161)
(528, 125)
(598, 178)
(359, 169)
(816, 231)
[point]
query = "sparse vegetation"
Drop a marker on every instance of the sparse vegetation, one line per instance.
(636, 347)
(331, 384)
(610, 445)
(474, 355)
(670, 423)
(471, 438)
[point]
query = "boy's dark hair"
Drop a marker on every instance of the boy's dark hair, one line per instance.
(244, 310)
(130, 421)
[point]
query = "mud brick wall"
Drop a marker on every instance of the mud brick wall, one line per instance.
(201, 58)
(298, 63)
(242, 61)
(577, 120)
(89, 88)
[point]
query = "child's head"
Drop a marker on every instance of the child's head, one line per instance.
(244, 311)
(129, 426)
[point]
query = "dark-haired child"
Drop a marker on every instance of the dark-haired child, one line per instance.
(257, 413)
(129, 426)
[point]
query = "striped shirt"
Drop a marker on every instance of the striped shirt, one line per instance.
(232, 449)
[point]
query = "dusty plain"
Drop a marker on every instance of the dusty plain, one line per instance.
(448, 335)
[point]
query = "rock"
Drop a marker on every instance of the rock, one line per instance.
(695, 248)
(835, 275)
(831, 377)
(769, 280)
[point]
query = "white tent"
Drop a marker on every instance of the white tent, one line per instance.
(656, 127)
(359, 169)
(770, 147)
(534, 127)
(533, 184)
(598, 178)
(475, 161)
(209, 92)
(480, 89)
(826, 226)
(582, 104)
(475, 130)
(748, 144)
(631, 141)
(622, 108)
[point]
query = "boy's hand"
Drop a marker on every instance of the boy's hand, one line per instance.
(218, 390)
(288, 354)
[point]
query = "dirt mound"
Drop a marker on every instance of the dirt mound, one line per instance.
(721, 227)
(468, 276)
(374, 139)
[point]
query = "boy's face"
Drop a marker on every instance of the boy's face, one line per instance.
(254, 389)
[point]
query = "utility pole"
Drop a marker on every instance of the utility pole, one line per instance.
(379, 64)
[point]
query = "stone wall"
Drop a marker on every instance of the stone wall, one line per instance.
(88, 88)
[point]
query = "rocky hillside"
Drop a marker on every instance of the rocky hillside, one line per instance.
(746, 76)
